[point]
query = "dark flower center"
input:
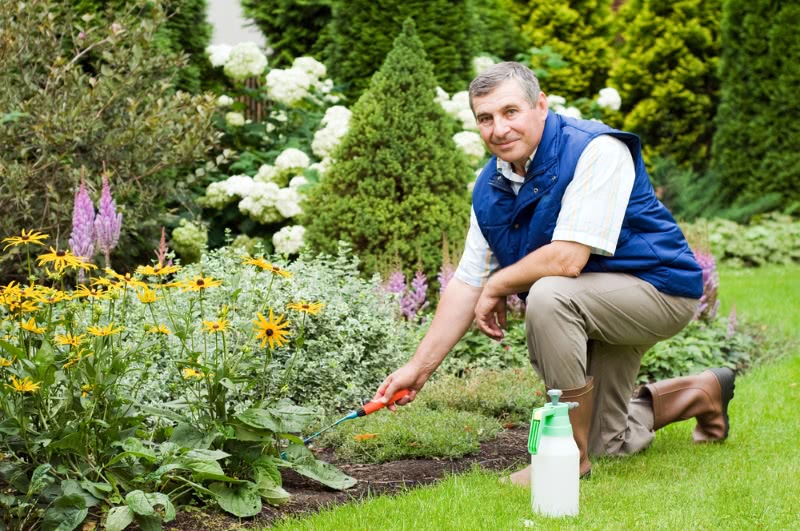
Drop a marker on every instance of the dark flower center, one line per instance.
(61, 253)
(269, 332)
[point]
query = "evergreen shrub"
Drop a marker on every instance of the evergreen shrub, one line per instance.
(755, 145)
(399, 182)
(666, 73)
(106, 99)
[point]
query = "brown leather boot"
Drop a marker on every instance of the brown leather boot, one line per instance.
(704, 396)
(581, 420)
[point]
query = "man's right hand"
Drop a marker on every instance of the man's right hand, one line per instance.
(410, 376)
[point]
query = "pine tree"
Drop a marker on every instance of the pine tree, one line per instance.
(362, 33)
(666, 74)
(755, 147)
(399, 183)
(580, 32)
(495, 30)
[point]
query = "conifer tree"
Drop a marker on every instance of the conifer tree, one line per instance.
(666, 74)
(362, 33)
(755, 150)
(580, 32)
(399, 181)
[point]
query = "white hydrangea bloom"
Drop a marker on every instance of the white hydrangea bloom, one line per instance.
(279, 116)
(472, 145)
(292, 159)
(298, 182)
(234, 119)
(288, 203)
(336, 123)
(246, 60)
(338, 114)
(221, 193)
(322, 166)
(289, 240)
(481, 63)
(261, 203)
(441, 96)
(224, 101)
(554, 101)
(218, 54)
(570, 112)
(315, 70)
(609, 99)
(266, 174)
(467, 120)
(461, 99)
(288, 86)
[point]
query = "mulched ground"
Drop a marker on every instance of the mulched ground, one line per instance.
(507, 451)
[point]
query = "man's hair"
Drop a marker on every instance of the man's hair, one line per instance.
(487, 81)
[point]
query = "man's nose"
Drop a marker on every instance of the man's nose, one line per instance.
(501, 126)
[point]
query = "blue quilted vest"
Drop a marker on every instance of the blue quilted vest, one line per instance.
(651, 246)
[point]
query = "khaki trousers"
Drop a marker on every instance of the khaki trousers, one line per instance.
(600, 325)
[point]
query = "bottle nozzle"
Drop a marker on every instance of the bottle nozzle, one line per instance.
(554, 395)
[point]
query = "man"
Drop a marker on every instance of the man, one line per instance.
(565, 215)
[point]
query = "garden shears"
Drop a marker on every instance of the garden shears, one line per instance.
(370, 407)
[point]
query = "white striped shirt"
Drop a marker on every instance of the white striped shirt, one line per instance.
(592, 208)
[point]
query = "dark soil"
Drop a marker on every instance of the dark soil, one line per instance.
(507, 451)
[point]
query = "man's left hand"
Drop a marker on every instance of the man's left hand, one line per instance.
(490, 314)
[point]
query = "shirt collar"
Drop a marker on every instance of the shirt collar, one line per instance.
(507, 171)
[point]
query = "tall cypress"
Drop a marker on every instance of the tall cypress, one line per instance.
(755, 149)
(399, 182)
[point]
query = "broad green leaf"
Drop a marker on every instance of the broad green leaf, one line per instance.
(268, 478)
(304, 462)
(158, 498)
(156, 474)
(240, 499)
(149, 523)
(39, 480)
(71, 486)
(12, 350)
(9, 427)
(139, 504)
(65, 513)
(261, 419)
(72, 442)
(7, 501)
(169, 414)
(294, 419)
(245, 433)
(207, 470)
(206, 455)
(187, 436)
(119, 518)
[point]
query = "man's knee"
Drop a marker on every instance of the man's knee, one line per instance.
(548, 299)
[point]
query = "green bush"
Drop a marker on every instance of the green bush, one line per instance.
(753, 152)
(362, 33)
(412, 432)
(293, 28)
(107, 101)
(399, 181)
(579, 31)
(666, 73)
(495, 29)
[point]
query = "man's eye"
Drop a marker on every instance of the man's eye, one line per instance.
(511, 112)
(484, 119)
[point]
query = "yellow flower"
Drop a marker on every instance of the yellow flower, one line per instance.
(86, 389)
(213, 327)
(30, 326)
(107, 330)
(272, 331)
(48, 295)
(63, 259)
(266, 266)
(160, 329)
(157, 271)
(200, 283)
(147, 296)
(312, 308)
(6, 363)
(121, 280)
(26, 238)
(191, 373)
(69, 339)
(26, 385)
(94, 292)
(82, 353)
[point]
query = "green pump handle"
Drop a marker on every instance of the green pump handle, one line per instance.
(540, 414)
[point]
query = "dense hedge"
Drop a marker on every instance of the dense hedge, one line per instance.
(755, 147)
(666, 73)
(399, 183)
(580, 32)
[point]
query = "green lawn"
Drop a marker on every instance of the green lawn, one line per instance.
(750, 482)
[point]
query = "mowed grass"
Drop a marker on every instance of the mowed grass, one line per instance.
(752, 481)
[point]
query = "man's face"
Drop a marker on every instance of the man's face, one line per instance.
(509, 125)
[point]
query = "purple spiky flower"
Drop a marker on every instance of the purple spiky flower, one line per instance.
(707, 308)
(81, 242)
(396, 283)
(445, 274)
(414, 301)
(108, 223)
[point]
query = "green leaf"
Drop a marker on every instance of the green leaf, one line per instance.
(156, 474)
(304, 462)
(207, 470)
(246, 433)
(241, 499)
(39, 479)
(71, 486)
(268, 478)
(158, 498)
(119, 518)
(260, 418)
(139, 504)
(11, 349)
(72, 441)
(187, 436)
(65, 513)
(149, 523)
(12, 116)
(206, 455)
(293, 418)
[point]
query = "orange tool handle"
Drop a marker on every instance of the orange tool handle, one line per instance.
(374, 405)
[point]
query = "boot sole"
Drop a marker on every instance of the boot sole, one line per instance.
(726, 378)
